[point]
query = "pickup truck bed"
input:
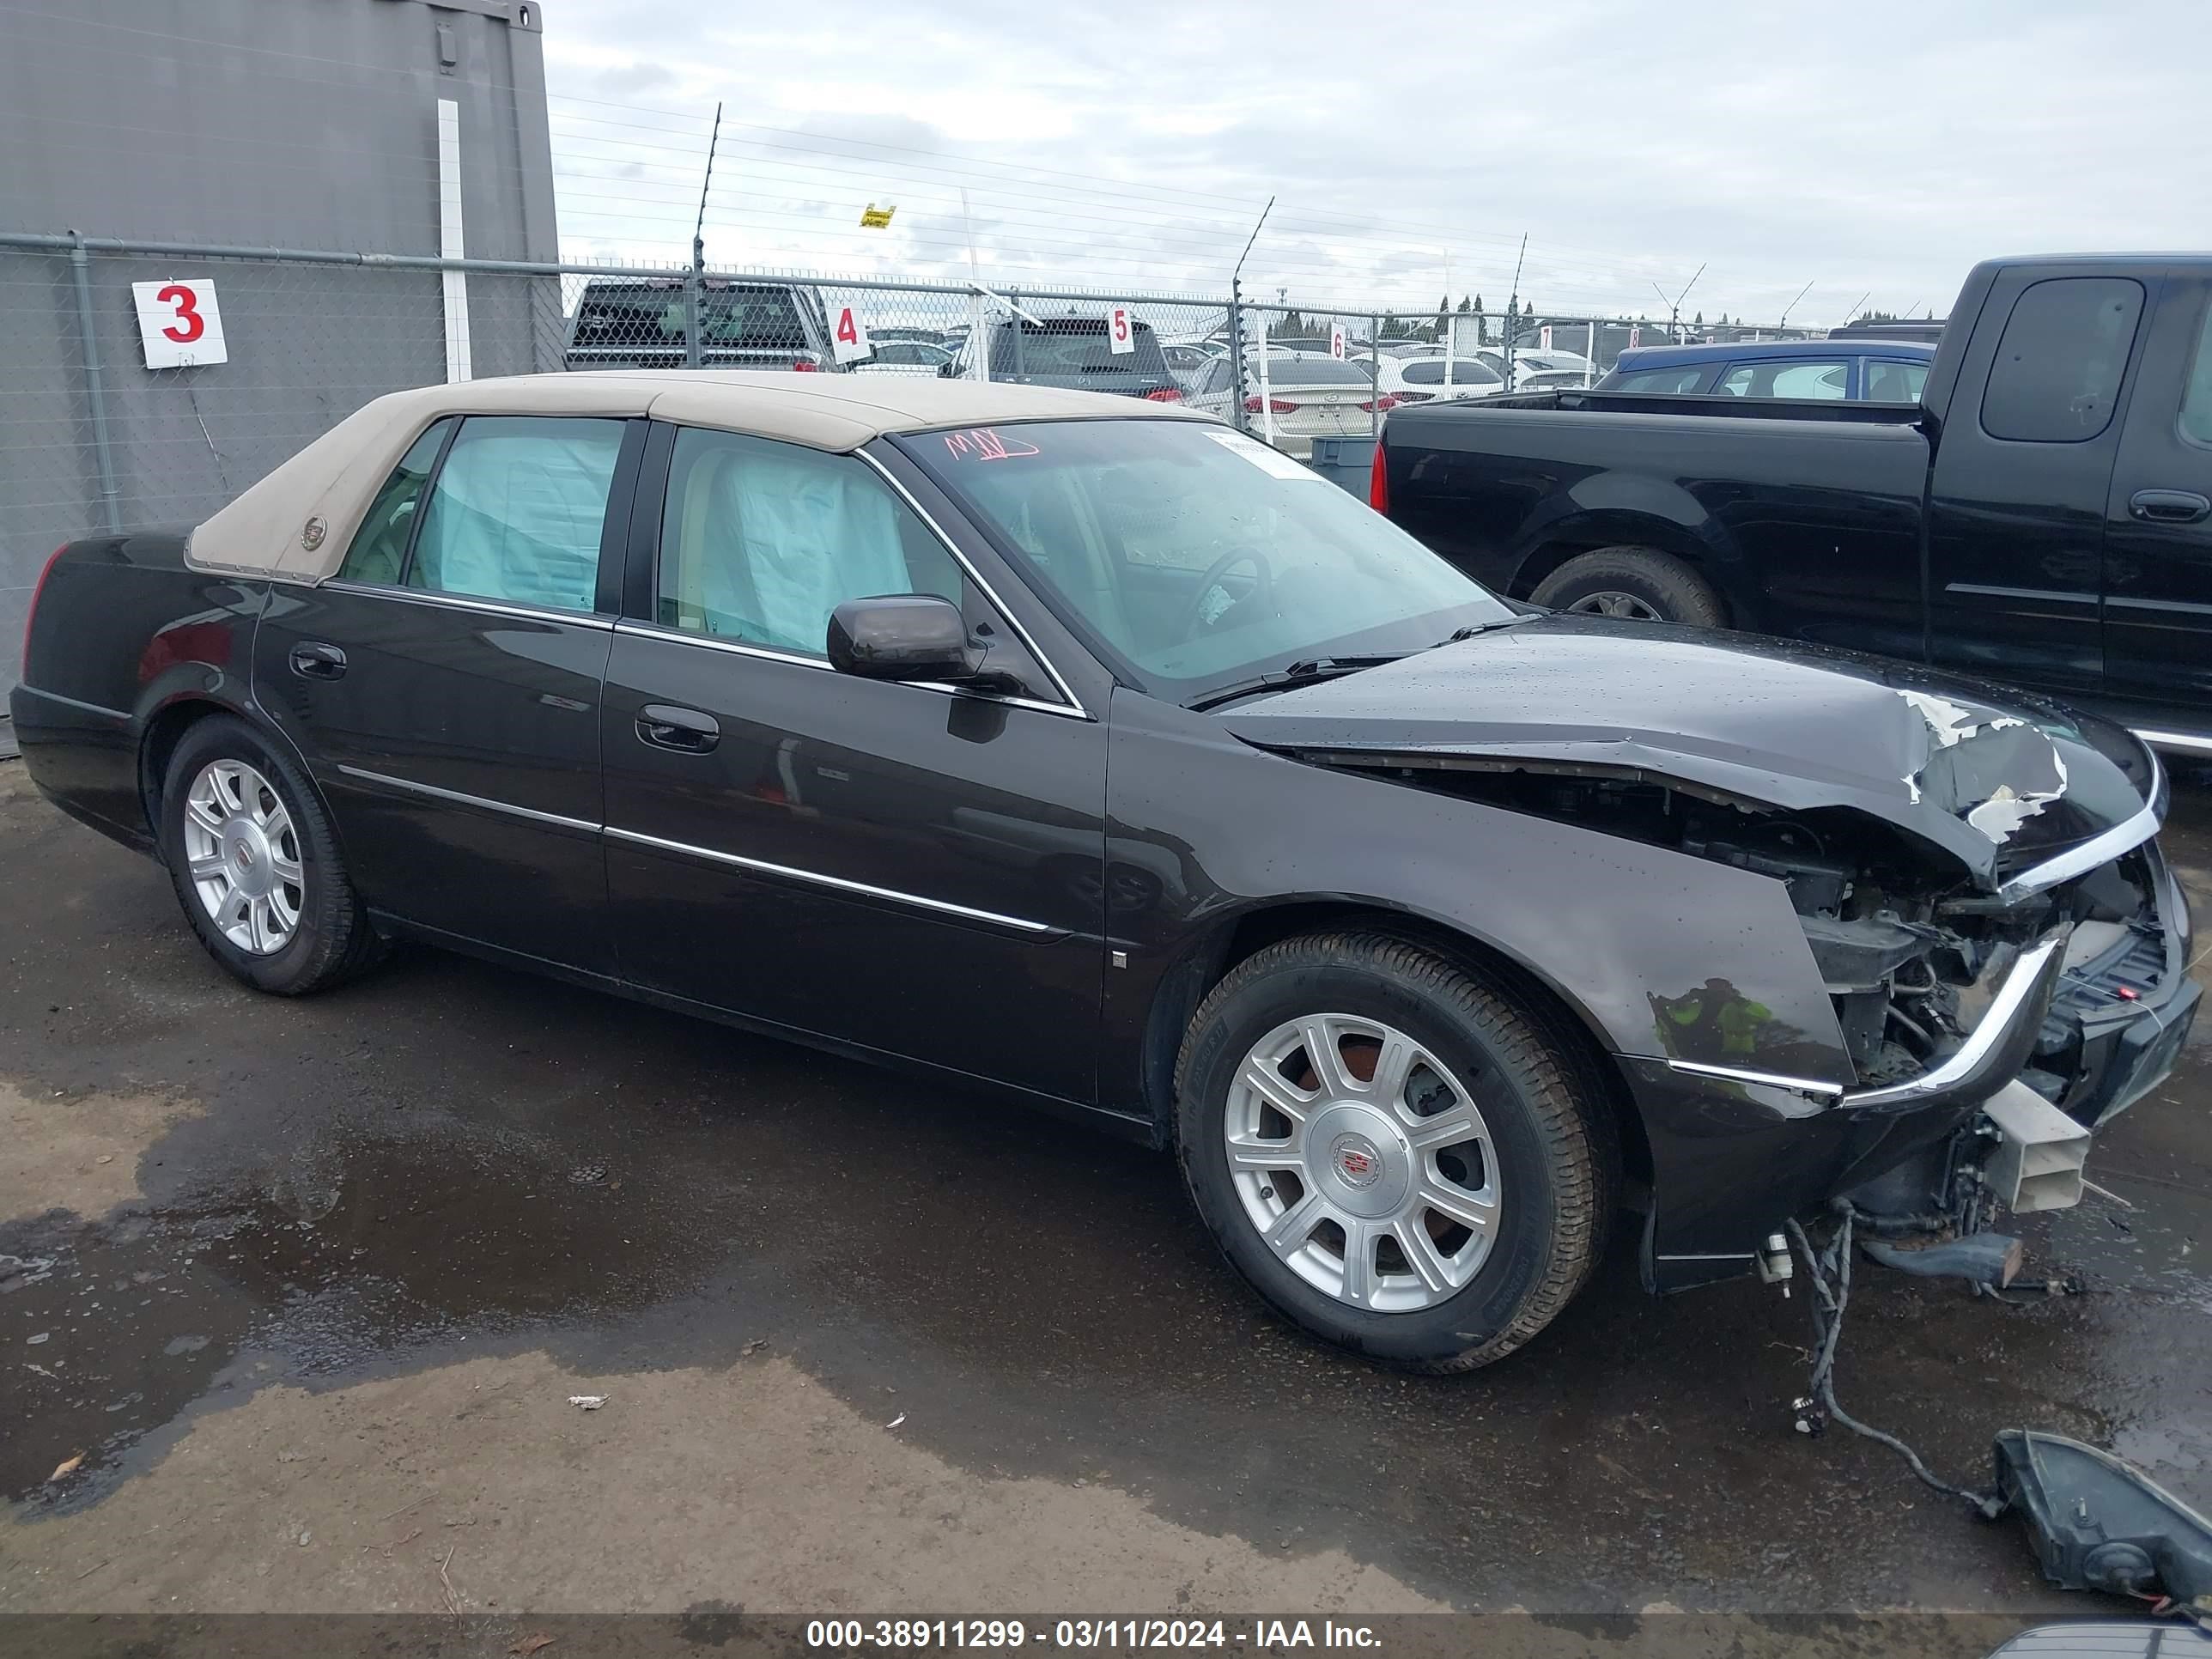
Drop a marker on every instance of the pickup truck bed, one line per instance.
(2044, 517)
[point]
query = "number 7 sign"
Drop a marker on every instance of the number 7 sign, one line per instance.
(179, 323)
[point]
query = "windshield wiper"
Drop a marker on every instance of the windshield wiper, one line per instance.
(1473, 629)
(1297, 674)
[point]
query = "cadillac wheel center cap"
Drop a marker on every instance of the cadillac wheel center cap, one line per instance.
(1356, 1160)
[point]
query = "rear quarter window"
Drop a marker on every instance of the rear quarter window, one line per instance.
(2057, 374)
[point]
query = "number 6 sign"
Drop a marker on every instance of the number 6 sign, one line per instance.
(1119, 337)
(179, 323)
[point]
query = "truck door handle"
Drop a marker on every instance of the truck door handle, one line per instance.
(685, 730)
(312, 660)
(2168, 506)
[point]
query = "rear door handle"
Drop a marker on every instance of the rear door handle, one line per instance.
(685, 730)
(2168, 506)
(314, 660)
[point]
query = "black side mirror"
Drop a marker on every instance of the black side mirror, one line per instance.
(901, 636)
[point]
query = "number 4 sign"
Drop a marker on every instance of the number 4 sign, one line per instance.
(180, 324)
(1119, 337)
(849, 339)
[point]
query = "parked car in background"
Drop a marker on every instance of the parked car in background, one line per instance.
(896, 356)
(1310, 395)
(1086, 752)
(1544, 365)
(1929, 331)
(1423, 380)
(1071, 353)
(623, 322)
(900, 332)
(1862, 370)
(1189, 360)
(2043, 515)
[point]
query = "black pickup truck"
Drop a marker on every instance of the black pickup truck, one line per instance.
(2043, 516)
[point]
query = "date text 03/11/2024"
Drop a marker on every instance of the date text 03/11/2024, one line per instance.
(1262, 1634)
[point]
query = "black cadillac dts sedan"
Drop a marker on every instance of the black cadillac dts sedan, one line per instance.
(1090, 751)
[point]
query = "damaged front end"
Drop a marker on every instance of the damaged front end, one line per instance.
(2002, 944)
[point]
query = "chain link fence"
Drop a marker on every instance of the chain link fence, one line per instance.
(93, 439)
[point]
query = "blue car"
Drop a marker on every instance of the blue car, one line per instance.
(1869, 371)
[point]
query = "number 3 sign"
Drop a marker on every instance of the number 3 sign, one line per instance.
(179, 323)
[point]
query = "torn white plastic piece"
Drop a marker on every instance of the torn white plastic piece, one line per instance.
(2040, 1152)
(590, 1402)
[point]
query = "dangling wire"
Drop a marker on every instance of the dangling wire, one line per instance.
(1830, 1272)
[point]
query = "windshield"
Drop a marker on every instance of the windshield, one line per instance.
(1193, 557)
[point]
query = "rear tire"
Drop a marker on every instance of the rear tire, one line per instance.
(255, 863)
(1637, 583)
(1494, 1111)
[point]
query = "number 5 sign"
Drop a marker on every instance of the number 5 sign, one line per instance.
(848, 341)
(179, 323)
(1119, 337)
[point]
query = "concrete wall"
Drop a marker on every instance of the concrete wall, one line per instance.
(301, 123)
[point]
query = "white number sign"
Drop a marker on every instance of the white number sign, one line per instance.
(1336, 339)
(1544, 337)
(1121, 337)
(179, 323)
(849, 340)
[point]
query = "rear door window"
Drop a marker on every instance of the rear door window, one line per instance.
(2196, 396)
(1677, 381)
(1822, 379)
(518, 512)
(1889, 382)
(2057, 377)
(379, 549)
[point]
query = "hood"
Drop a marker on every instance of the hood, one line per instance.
(1999, 779)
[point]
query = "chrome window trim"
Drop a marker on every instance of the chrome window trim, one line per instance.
(637, 630)
(2187, 743)
(762, 865)
(2016, 994)
(646, 630)
(1739, 1074)
(1066, 691)
(593, 619)
(2122, 837)
(408, 786)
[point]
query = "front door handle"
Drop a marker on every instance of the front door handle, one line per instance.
(314, 660)
(2168, 506)
(685, 730)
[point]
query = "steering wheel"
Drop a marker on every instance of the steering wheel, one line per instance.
(1263, 584)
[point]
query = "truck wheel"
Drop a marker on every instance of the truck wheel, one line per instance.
(255, 865)
(1636, 582)
(1396, 1157)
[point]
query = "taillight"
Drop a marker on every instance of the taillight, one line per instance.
(1378, 482)
(1385, 402)
(1275, 405)
(1163, 394)
(30, 614)
(806, 366)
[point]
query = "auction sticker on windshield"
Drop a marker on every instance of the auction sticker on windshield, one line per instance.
(1273, 461)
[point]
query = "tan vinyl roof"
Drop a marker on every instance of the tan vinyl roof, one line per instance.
(298, 521)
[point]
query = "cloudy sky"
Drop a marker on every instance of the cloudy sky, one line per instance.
(1872, 148)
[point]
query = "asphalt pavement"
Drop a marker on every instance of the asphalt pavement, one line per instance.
(309, 1286)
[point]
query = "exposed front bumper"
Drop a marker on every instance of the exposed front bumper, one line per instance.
(1734, 1158)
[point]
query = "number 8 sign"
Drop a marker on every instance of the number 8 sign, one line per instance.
(179, 323)
(1119, 337)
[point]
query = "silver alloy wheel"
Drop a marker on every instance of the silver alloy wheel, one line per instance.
(1363, 1161)
(1612, 603)
(243, 856)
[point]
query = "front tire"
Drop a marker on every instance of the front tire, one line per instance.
(255, 864)
(1638, 583)
(1398, 1157)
